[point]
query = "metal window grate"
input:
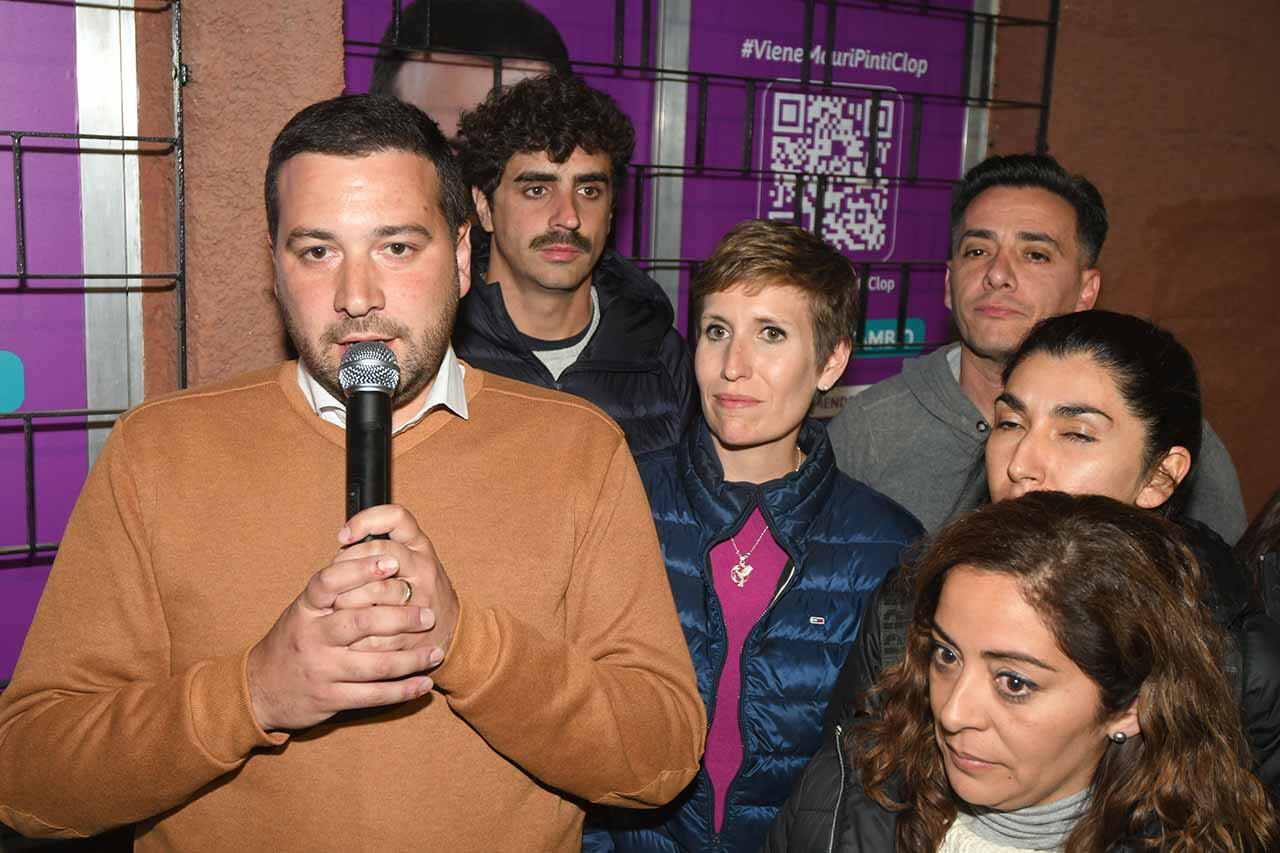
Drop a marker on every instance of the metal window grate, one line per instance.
(26, 279)
(819, 31)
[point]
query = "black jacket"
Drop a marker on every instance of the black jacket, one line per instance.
(636, 366)
(1268, 568)
(828, 812)
(1253, 654)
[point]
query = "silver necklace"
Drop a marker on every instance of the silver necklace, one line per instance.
(740, 572)
(743, 569)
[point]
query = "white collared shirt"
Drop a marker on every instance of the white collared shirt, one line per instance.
(446, 390)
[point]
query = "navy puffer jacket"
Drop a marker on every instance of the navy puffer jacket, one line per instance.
(841, 538)
(636, 366)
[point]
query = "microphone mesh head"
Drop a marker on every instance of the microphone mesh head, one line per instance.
(369, 366)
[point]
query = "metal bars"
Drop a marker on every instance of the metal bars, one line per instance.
(810, 204)
(904, 292)
(829, 45)
(180, 77)
(873, 144)
(644, 67)
(913, 154)
(646, 28)
(22, 274)
(1046, 92)
(980, 29)
(27, 419)
(19, 220)
(807, 41)
(637, 215)
(700, 135)
(32, 423)
(864, 299)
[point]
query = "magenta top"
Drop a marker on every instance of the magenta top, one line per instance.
(742, 607)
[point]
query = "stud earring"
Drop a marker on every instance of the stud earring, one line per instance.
(1118, 738)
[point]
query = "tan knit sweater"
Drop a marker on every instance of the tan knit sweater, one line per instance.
(205, 516)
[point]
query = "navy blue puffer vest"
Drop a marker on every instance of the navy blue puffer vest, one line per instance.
(841, 538)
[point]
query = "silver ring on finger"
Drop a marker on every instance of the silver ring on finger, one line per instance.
(408, 591)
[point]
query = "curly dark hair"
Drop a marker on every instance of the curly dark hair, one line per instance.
(1124, 598)
(555, 113)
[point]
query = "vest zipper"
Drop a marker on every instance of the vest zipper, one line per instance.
(835, 815)
(715, 689)
(742, 657)
(715, 684)
(782, 587)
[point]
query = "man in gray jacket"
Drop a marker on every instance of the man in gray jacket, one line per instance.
(1025, 240)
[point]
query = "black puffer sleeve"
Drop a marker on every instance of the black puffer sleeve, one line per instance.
(881, 641)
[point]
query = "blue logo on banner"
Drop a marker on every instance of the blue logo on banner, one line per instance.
(13, 386)
(881, 338)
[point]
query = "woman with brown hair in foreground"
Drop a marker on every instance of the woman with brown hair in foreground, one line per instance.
(1062, 689)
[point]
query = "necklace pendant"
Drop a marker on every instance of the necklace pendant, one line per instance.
(739, 573)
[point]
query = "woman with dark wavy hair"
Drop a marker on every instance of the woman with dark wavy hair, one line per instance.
(1062, 689)
(1097, 402)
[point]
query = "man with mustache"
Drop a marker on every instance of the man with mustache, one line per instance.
(550, 304)
(1025, 240)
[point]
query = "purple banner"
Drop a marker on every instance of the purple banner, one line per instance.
(41, 325)
(588, 30)
(888, 143)
(887, 136)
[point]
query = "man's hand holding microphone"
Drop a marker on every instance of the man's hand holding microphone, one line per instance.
(367, 627)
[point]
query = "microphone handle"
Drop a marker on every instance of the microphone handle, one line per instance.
(368, 451)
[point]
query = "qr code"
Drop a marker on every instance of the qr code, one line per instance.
(832, 135)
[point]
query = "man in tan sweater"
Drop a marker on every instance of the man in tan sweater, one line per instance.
(205, 661)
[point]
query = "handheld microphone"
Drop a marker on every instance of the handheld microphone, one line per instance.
(369, 375)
